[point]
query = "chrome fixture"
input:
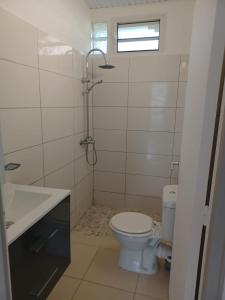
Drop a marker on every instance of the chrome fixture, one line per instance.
(12, 166)
(89, 140)
(173, 164)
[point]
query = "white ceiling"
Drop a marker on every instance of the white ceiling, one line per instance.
(113, 3)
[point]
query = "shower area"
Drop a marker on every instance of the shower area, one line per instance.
(135, 106)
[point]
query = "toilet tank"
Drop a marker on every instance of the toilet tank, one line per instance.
(168, 213)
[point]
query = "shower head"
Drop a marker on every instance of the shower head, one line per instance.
(107, 67)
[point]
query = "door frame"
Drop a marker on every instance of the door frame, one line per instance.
(192, 213)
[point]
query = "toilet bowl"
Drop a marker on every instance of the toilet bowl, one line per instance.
(140, 237)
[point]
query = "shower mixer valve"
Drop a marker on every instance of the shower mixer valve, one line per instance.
(87, 141)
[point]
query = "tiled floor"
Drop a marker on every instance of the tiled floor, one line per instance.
(94, 274)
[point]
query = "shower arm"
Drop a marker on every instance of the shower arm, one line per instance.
(86, 80)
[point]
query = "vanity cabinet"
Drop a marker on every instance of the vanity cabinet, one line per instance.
(39, 257)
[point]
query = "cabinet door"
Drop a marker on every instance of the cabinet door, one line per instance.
(40, 256)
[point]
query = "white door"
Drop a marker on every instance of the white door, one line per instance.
(193, 210)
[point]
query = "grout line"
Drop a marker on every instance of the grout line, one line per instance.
(108, 286)
(135, 174)
(138, 130)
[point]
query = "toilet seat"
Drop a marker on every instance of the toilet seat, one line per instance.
(132, 223)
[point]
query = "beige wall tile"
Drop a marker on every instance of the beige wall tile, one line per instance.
(19, 85)
(18, 40)
(21, 128)
(31, 168)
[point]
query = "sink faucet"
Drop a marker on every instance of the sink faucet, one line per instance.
(11, 166)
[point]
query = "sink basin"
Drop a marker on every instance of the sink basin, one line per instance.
(22, 203)
(26, 205)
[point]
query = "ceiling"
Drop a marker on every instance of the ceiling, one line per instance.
(93, 4)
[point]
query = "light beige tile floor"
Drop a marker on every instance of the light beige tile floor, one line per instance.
(94, 274)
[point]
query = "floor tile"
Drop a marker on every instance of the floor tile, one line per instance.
(81, 258)
(141, 297)
(156, 286)
(110, 243)
(92, 291)
(65, 289)
(105, 270)
(82, 238)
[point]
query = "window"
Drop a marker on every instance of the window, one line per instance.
(139, 36)
(100, 36)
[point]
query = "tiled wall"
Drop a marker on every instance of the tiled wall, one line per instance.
(137, 119)
(42, 112)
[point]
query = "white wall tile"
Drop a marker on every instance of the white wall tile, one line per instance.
(153, 94)
(179, 119)
(80, 121)
(111, 161)
(78, 63)
(108, 199)
(110, 182)
(62, 178)
(111, 140)
(57, 123)
(110, 117)
(145, 185)
(31, 168)
(84, 194)
(77, 90)
(144, 203)
(18, 40)
(21, 128)
(160, 143)
(56, 90)
(111, 94)
(181, 94)
(82, 168)
(151, 119)
(177, 143)
(54, 55)
(40, 182)
(184, 68)
(118, 74)
(154, 68)
(58, 153)
(154, 165)
(19, 85)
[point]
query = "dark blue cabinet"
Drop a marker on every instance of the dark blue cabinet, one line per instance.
(40, 256)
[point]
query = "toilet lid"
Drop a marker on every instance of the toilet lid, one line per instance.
(131, 222)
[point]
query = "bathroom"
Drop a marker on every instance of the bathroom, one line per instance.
(109, 135)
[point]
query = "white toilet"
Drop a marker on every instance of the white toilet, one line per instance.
(140, 236)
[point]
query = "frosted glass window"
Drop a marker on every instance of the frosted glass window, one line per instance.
(100, 36)
(142, 36)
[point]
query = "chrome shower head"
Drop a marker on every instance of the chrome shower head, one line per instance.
(107, 67)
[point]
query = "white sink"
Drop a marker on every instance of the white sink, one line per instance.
(22, 203)
(26, 205)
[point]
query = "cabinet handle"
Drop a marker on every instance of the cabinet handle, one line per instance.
(38, 294)
(39, 245)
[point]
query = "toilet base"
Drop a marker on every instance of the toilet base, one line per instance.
(143, 261)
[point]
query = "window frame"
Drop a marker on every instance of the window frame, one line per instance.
(106, 39)
(138, 39)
